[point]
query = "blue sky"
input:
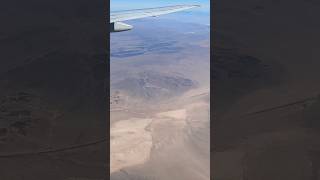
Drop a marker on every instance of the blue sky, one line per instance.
(200, 15)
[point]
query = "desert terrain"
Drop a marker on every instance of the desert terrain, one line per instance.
(52, 90)
(266, 87)
(160, 100)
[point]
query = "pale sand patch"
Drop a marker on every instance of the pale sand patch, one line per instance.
(196, 92)
(130, 143)
(197, 105)
(176, 114)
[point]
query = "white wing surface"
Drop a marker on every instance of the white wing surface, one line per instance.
(119, 16)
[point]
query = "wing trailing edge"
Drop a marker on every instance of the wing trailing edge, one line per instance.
(117, 17)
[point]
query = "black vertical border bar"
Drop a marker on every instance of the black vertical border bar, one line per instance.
(107, 87)
(212, 26)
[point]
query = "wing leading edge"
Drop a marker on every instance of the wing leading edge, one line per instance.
(117, 17)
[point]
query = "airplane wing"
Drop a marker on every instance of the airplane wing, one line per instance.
(119, 16)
